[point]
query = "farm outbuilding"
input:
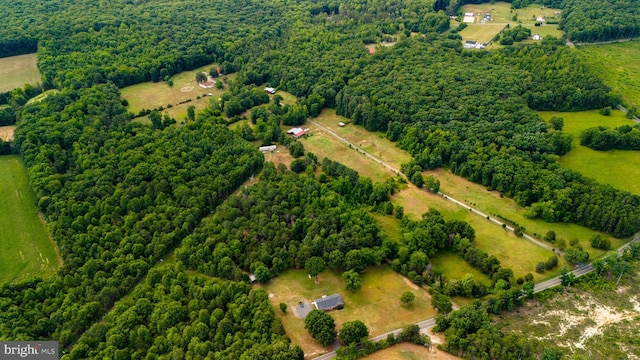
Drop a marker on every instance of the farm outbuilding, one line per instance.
(266, 148)
(270, 90)
(297, 132)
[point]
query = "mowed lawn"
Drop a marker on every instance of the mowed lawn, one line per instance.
(27, 249)
(151, 95)
(618, 66)
(491, 203)
(619, 168)
(482, 33)
(17, 71)
(377, 303)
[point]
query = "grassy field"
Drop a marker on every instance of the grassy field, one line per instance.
(408, 351)
(482, 33)
(42, 96)
(618, 67)
(6, 132)
(604, 166)
(592, 322)
(380, 292)
(389, 225)
(16, 71)
(27, 249)
(150, 95)
(455, 267)
(513, 252)
(491, 203)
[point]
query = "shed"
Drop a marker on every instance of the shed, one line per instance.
(468, 18)
(328, 302)
(270, 90)
(341, 124)
(470, 44)
(252, 278)
(266, 148)
(536, 37)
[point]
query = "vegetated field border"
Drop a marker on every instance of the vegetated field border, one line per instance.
(17, 71)
(27, 249)
(618, 67)
(380, 293)
(618, 168)
(151, 95)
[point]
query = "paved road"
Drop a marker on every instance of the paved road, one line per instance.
(625, 111)
(472, 209)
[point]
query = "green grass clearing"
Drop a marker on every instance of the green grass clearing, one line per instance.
(151, 95)
(27, 249)
(389, 225)
(618, 66)
(482, 33)
(380, 292)
(491, 203)
(17, 71)
(42, 96)
(325, 145)
(453, 266)
(603, 166)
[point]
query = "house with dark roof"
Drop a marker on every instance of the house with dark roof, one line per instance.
(328, 302)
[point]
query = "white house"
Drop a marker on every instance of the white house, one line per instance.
(536, 37)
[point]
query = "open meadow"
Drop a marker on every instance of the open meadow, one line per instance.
(151, 95)
(27, 249)
(380, 294)
(604, 166)
(618, 66)
(17, 71)
(493, 204)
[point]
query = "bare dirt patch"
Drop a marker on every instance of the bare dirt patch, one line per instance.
(6, 132)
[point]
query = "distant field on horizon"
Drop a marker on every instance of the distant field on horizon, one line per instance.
(17, 71)
(618, 66)
(619, 168)
(27, 249)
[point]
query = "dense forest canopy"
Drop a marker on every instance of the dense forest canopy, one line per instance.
(120, 196)
(592, 21)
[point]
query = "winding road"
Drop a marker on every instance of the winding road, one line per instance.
(431, 322)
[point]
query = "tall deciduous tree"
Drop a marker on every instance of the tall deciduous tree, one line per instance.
(314, 266)
(321, 326)
(353, 332)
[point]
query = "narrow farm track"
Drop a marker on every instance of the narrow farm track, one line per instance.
(448, 197)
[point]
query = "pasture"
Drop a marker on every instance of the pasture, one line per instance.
(603, 166)
(453, 266)
(151, 95)
(618, 66)
(27, 249)
(380, 292)
(491, 203)
(17, 71)
(482, 33)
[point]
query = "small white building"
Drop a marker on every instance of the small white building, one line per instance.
(266, 148)
(468, 18)
(270, 90)
(541, 19)
(536, 37)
